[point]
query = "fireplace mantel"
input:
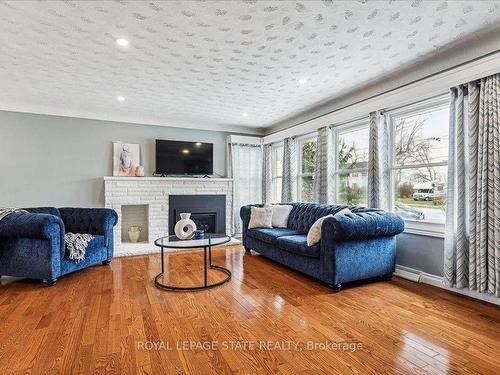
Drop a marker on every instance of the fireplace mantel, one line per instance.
(114, 178)
(147, 204)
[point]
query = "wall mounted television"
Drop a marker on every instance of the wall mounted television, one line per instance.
(184, 158)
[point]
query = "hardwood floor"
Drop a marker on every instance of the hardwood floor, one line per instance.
(111, 319)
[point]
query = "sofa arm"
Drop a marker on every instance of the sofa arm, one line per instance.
(360, 225)
(245, 212)
(32, 225)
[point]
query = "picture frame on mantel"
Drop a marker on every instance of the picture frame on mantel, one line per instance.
(126, 159)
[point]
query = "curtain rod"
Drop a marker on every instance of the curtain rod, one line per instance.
(331, 126)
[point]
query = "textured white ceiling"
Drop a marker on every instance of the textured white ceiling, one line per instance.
(205, 63)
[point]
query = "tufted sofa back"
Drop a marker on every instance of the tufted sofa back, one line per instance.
(88, 220)
(44, 210)
(303, 215)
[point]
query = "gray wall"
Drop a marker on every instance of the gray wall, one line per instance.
(422, 253)
(60, 161)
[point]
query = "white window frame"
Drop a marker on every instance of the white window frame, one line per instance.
(337, 130)
(300, 142)
(275, 149)
(426, 228)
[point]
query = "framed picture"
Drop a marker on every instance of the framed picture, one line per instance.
(126, 158)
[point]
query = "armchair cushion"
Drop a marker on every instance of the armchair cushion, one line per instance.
(93, 255)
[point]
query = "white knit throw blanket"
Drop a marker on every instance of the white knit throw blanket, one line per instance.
(76, 245)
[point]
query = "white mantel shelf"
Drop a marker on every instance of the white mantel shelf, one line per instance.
(147, 204)
(114, 178)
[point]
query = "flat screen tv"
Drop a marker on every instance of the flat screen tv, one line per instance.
(184, 158)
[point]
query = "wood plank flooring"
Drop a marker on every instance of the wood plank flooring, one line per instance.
(267, 319)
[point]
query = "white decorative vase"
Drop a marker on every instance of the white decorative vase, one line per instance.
(185, 227)
(134, 233)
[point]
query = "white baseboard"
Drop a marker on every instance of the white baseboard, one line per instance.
(407, 273)
(437, 281)
(144, 248)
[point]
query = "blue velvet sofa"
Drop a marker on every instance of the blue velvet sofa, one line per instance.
(32, 244)
(353, 247)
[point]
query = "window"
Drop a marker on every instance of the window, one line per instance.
(276, 171)
(351, 164)
(419, 161)
(307, 166)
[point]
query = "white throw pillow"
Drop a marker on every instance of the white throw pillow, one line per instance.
(280, 214)
(314, 234)
(261, 217)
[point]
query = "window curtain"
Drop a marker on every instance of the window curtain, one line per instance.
(246, 171)
(289, 181)
(267, 188)
(323, 176)
(378, 162)
(472, 242)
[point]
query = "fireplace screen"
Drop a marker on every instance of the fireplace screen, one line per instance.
(207, 211)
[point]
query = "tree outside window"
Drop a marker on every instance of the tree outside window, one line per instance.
(276, 172)
(351, 165)
(419, 163)
(307, 169)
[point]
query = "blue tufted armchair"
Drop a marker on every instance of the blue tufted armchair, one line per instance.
(32, 244)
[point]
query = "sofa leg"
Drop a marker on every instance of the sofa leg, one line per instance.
(106, 262)
(336, 288)
(387, 277)
(247, 249)
(50, 282)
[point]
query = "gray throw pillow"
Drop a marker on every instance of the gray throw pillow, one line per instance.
(260, 217)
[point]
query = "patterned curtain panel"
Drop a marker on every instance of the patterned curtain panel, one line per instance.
(378, 162)
(267, 188)
(323, 177)
(289, 182)
(246, 170)
(472, 243)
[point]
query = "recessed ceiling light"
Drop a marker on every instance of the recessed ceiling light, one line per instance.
(302, 81)
(197, 144)
(244, 114)
(185, 151)
(122, 42)
(120, 98)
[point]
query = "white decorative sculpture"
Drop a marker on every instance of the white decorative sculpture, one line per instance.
(185, 227)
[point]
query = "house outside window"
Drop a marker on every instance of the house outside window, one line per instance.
(418, 161)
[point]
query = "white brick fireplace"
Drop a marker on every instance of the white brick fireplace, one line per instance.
(144, 201)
